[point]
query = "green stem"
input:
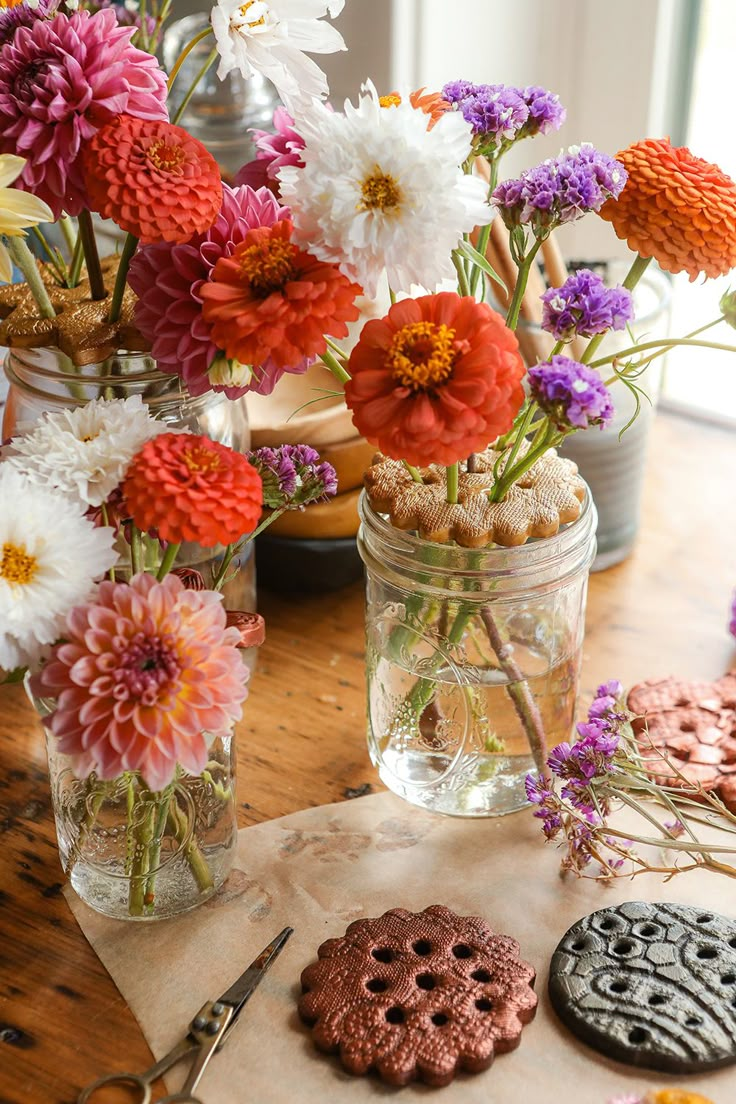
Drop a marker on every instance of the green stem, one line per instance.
(462, 279)
(91, 256)
(184, 55)
(511, 474)
(413, 472)
(181, 829)
(336, 348)
(68, 232)
(143, 831)
(161, 817)
(485, 232)
(335, 367)
(665, 345)
(219, 579)
(136, 550)
(53, 256)
(560, 345)
(26, 262)
(168, 561)
(633, 276)
(521, 433)
(185, 102)
(126, 257)
(512, 317)
(75, 268)
(452, 473)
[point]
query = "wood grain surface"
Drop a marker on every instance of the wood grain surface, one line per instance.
(302, 743)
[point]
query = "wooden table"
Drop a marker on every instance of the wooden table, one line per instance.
(664, 610)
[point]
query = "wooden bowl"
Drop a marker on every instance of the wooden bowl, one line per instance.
(350, 460)
(277, 419)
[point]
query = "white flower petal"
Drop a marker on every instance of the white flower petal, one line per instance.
(6, 265)
(10, 168)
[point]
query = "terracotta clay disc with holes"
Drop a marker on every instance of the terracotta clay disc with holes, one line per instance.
(694, 724)
(651, 985)
(418, 996)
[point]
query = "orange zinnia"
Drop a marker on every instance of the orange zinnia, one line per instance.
(189, 488)
(271, 299)
(436, 379)
(676, 208)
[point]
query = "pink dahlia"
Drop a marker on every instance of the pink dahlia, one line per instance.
(168, 279)
(60, 81)
(149, 675)
(273, 151)
(21, 13)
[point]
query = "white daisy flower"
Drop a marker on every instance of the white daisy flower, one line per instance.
(270, 37)
(50, 556)
(85, 452)
(17, 209)
(379, 190)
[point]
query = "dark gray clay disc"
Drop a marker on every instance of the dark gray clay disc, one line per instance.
(651, 985)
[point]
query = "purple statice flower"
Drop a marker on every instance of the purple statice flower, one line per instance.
(561, 189)
(274, 149)
(539, 793)
(496, 113)
(732, 621)
(585, 306)
(571, 394)
(24, 14)
(456, 91)
(293, 476)
(612, 689)
(546, 113)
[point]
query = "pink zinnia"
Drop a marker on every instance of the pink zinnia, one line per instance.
(148, 677)
(168, 279)
(60, 81)
(273, 151)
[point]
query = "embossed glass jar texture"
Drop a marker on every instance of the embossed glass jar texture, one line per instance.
(473, 660)
(45, 379)
(135, 854)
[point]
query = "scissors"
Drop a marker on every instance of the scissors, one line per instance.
(206, 1034)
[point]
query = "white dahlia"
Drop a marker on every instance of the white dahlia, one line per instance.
(270, 36)
(84, 452)
(379, 190)
(50, 556)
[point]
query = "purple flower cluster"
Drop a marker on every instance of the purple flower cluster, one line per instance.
(125, 17)
(585, 306)
(500, 114)
(571, 394)
(24, 15)
(561, 189)
(577, 765)
(293, 476)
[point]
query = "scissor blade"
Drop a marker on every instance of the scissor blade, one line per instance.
(242, 989)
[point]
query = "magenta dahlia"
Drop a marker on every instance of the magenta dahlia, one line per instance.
(148, 676)
(273, 151)
(21, 13)
(167, 280)
(61, 80)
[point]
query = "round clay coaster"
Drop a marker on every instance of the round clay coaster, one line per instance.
(651, 985)
(418, 996)
(694, 724)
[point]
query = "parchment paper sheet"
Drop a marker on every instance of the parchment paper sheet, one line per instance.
(321, 868)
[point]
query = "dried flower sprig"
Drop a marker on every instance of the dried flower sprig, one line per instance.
(602, 774)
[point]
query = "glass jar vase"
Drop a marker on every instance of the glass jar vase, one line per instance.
(134, 854)
(473, 660)
(45, 379)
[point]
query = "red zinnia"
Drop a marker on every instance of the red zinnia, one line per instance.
(190, 488)
(153, 179)
(436, 379)
(270, 298)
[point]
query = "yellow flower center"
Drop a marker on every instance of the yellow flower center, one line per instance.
(165, 157)
(17, 566)
(10, 4)
(392, 100)
(422, 355)
(379, 191)
(201, 460)
(244, 12)
(268, 265)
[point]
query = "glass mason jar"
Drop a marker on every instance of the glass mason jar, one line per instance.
(473, 660)
(45, 379)
(133, 854)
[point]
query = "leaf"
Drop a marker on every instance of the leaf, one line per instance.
(478, 259)
(320, 398)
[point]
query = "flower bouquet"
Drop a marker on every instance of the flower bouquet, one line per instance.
(477, 536)
(135, 666)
